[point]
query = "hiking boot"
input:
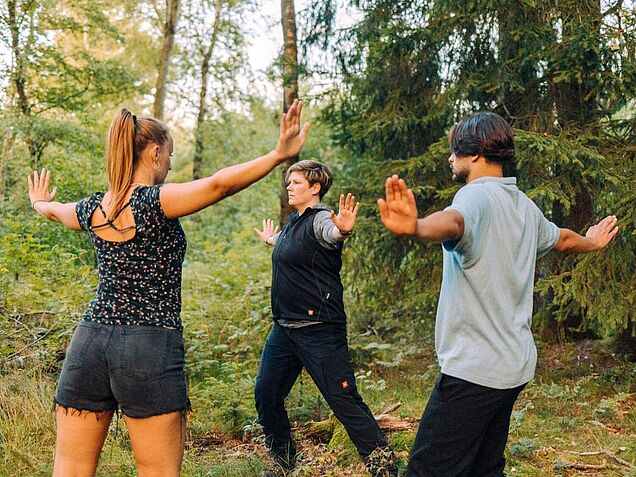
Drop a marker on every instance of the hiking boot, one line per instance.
(382, 462)
(275, 470)
(283, 455)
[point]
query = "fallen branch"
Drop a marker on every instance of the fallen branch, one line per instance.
(390, 409)
(579, 466)
(608, 454)
(16, 320)
(611, 429)
(395, 424)
(16, 355)
(324, 430)
(390, 423)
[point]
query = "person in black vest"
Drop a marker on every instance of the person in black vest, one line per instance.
(309, 329)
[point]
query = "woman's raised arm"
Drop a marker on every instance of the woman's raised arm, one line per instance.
(178, 200)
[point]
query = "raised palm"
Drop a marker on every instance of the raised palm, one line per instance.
(603, 232)
(398, 211)
(268, 230)
(291, 138)
(39, 187)
(347, 213)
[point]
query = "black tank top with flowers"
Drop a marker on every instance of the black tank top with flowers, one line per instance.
(139, 278)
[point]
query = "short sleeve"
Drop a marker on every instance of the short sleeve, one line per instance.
(474, 205)
(84, 209)
(149, 205)
(548, 233)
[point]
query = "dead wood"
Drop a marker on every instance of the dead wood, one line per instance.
(608, 454)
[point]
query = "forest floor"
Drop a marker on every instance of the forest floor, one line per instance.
(578, 417)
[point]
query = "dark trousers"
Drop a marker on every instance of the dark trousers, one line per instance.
(463, 431)
(323, 351)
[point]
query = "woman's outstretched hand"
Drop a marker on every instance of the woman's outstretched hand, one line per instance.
(42, 201)
(39, 187)
(291, 137)
(399, 210)
(268, 230)
(347, 213)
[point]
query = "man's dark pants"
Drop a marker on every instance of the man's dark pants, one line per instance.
(463, 431)
(323, 351)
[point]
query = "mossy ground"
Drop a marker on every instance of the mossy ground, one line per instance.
(582, 401)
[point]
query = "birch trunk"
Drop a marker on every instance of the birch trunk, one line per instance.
(169, 28)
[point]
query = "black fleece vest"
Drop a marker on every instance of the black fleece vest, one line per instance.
(305, 275)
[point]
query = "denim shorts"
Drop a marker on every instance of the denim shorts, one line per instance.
(138, 369)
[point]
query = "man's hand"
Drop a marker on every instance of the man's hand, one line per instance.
(602, 233)
(268, 230)
(347, 213)
(597, 237)
(398, 211)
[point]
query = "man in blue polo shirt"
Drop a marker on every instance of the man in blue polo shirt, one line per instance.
(491, 237)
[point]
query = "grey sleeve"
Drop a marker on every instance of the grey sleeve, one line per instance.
(473, 204)
(548, 234)
(273, 239)
(326, 231)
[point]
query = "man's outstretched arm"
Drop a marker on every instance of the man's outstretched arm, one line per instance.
(398, 212)
(597, 237)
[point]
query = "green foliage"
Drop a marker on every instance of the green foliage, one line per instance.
(229, 397)
(48, 63)
(406, 72)
(26, 421)
(37, 261)
(561, 72)
(524, 447)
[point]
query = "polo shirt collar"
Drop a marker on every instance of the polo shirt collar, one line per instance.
(501, 180)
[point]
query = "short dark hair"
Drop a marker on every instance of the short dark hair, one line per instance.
(483, 134)
(315, 173)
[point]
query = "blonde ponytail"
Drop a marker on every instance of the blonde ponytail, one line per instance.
(120, 158)
(128, 136)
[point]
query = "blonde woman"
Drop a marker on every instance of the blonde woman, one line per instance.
(127, 353)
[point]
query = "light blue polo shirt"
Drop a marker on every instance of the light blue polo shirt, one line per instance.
(482, 332)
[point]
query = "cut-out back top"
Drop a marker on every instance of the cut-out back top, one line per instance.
(139, 278)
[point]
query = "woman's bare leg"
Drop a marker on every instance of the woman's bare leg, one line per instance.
(158, 443)
(79, 439)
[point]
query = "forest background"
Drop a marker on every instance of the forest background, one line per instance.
(383, 81)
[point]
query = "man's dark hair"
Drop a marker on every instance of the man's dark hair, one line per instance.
(483, 134)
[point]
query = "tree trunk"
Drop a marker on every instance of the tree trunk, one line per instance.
(169, 27)
(18, 77)
(203, 94)
(290, 87)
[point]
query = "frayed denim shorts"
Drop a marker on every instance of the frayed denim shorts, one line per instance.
(138, 369)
